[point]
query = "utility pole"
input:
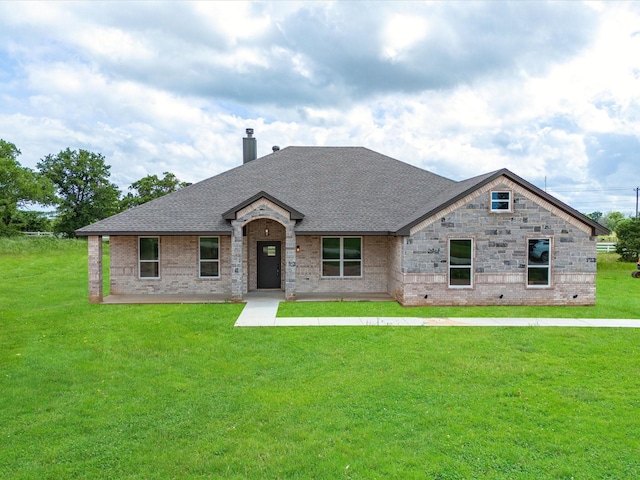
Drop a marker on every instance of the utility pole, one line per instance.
(637, 189)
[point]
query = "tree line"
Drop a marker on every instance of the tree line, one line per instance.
(76, 183)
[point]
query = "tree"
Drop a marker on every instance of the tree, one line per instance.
(85, 194)
(628, 232)
(149, 188)
(611, 220)
(595, 216)
(18, 186)
(30, 221)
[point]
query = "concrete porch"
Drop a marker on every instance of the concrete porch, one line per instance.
(156, 299)
(344, 297)
(253, 295)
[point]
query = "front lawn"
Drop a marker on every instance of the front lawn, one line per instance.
(174, 391)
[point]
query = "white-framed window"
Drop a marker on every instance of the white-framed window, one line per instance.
(538, 265)
(461, 262)
(341, 256)
(501, 201)
(209, 257)
(149, 257)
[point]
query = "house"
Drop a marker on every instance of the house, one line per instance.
(348, 220)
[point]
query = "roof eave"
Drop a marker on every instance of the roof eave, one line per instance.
(345, 233)
(143, 233)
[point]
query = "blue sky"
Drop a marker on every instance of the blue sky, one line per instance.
(550, 90)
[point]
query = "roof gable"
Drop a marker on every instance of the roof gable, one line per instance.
(467, 187)
(232, 213)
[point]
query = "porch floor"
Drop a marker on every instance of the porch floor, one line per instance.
(344, 297)
(176, 298)
(276, 294)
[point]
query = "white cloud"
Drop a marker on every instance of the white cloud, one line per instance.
(401, 33)
(547, 90)
(234, 20)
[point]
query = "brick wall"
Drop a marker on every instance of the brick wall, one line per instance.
(375, 251)
(95, 268)
(500, 257)
(395, 278)
(178, 268)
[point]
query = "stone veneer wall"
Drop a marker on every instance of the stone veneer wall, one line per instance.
(500, 243)
(178, 267)
(375, 250)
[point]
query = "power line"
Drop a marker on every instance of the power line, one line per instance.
(607, 189)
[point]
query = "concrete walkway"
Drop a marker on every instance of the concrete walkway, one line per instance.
(261, 310)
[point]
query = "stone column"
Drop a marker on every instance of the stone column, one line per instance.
(95, 269)
(290, 259)
(237, 275)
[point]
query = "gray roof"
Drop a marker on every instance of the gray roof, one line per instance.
(328, 189)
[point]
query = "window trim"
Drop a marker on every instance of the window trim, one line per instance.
(471, 266)
(500, 210)
(200, 260)
(548, 266)
(342, 260)
(141, 261)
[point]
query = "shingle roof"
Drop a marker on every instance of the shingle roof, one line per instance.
(334, 189)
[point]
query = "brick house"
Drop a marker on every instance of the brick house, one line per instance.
(339, 220)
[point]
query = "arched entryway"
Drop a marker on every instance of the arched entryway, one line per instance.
(263, 249)
(266, 269)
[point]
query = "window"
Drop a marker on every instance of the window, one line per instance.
(501, 201)
(538, 272)
(149, 257)
(342, 257)
(461, 262)
(209, 257)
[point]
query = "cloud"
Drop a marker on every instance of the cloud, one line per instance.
(612, 154)
(317, 54)
(549, 90)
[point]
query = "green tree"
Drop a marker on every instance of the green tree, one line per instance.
(30, 221)
(595, 216)
(149, 188)
(628, 232)
(18, 186)
(611, 220)
(85, 194)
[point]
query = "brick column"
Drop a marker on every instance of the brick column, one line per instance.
(237, 275)
(290, 259)
(95, 269)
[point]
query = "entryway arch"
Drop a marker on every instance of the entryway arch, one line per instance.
(263, 230)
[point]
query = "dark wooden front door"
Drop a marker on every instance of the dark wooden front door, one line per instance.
(269, 265)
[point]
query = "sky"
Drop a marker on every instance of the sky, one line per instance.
(549, 90)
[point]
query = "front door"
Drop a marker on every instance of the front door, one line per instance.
(269, 265)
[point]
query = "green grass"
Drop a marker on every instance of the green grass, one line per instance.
(174, 391)
(617, 297)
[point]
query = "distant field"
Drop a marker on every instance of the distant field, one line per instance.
(174, 391)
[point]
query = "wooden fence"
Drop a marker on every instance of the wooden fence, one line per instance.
(606, 247)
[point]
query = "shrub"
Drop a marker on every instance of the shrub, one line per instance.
(628, 232)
